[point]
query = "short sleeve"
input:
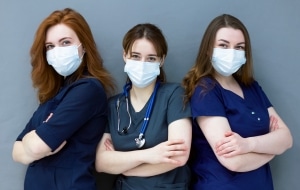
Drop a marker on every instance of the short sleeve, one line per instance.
(207, 102)
(262, 95)
(176, 107)
(80, 103)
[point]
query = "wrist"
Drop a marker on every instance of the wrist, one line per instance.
(251, 143)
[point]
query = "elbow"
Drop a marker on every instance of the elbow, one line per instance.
(98, 167)
(290, 142)
(231, 165)
(183, 160)
(15, 157)
(288, 145)
(18, 158)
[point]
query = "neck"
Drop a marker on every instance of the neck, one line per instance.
(140, 96)
(229, 83)
(223, 80)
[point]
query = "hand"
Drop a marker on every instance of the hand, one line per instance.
(108, 145)
(233, 144)
(58, 149)
(273, 123)
(165, 151)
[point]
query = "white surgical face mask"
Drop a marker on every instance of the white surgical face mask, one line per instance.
(141, 73)
(65, 60)
(227, 61)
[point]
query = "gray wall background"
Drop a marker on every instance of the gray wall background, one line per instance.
(274, 27)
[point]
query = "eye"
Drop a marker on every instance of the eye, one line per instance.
(223, 46)
(135, 57)
(152, 59)
(240, 48)
(49, 46)
(66, 43)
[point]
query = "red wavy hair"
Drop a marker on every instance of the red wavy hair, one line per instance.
(45, 79)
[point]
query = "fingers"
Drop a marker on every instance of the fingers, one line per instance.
(169, 152)
(273, 123)
(174, 141)
(58, 149)
(108, 145)
(223, 151)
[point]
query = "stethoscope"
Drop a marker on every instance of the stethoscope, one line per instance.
(140, 141)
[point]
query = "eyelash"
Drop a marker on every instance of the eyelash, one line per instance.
(137, 57)
(63, 43)
(237, 47)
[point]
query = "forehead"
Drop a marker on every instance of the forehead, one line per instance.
(230, 34)
(59, 31)
(144, 47)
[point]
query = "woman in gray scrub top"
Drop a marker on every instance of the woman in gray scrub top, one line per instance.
(147, 141)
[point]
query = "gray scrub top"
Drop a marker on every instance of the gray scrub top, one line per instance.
(168, 107)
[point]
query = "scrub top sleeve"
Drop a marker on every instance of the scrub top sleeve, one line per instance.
(262, 95)
(176, 108)
(82, 102)
(107, 130)
(27, 129)
(207, 103)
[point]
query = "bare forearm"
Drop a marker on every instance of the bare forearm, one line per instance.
(147, 170)
(275, 142)
(245, 162)
(20, 155)
(115, 162)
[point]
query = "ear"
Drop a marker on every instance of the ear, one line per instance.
(124, 56)
(162, 61)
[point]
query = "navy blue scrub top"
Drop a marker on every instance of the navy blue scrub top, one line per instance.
(247, 116)
(79, 117)
(168, 107)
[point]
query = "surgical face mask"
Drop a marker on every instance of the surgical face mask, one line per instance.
(65, 60)
(141, 73)
(227, 61)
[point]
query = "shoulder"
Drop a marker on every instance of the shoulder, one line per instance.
(113, 99)
(93, 82)
(255, 86)
(84, 88)
(207, 85)
(170, 88)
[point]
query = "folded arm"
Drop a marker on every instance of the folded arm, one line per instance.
(32, 148)
(275, 142)
(147, 162)
(180, 129)
(214, 129)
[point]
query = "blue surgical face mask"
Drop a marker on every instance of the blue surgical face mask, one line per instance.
(65, 60)
(141, 73)
(227, 61)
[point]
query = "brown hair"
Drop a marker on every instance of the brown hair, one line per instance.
(44, 77)
(151, 33)
(203, 66)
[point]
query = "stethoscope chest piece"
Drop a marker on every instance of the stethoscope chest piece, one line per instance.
(140, 141)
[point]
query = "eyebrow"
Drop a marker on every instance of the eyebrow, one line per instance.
(140, 54)
(228, 42)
